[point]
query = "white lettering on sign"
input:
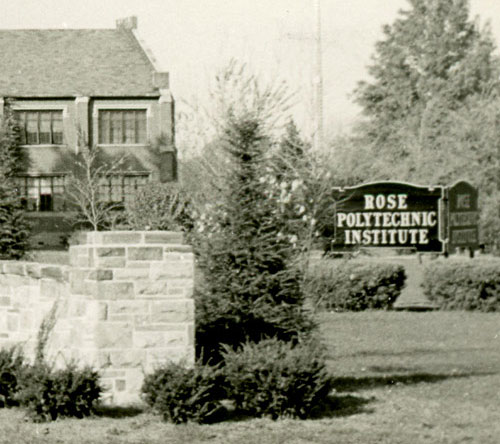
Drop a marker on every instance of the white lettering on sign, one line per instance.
(390, 202)
(463, 218)
(405, 236)
(387, 219)
(468, 236)
(463, 201)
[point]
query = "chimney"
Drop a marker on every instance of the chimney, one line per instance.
(160, 80)
(127, 23)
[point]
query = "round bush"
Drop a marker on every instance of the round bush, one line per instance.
(69, 392)
(276, 379)
(181, 394)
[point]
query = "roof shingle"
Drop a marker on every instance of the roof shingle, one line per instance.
(69, 63)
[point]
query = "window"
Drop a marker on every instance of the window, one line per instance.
(118, 188)
(40, 127)
(122, 126)
(41, 193)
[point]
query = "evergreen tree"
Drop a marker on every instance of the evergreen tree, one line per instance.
(14, 229)
(252, 288)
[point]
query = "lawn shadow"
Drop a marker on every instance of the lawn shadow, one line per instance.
(355, 383)
(340, 405)
(110, 411)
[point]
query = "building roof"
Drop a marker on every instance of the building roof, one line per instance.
(70, 63)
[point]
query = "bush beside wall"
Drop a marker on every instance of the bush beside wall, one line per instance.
(464, 284)
(48, 393)
(354, 285)
(12, 363)
(180, 393)
(276, 379)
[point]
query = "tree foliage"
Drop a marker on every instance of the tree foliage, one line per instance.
(159, 206)
(84, 189)
(14, 229)
(432, 53)
(431, 106)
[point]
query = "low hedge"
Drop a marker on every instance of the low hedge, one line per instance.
(354, 285)
(464, 284)
(276, 379)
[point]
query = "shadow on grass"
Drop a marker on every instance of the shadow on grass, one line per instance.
(410, 352)
(119, 412)
(354, 384)
(338, 406)
(335, 406)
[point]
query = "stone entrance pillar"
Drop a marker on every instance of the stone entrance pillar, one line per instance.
(130, 306)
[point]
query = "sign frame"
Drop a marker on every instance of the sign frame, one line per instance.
(393, 197)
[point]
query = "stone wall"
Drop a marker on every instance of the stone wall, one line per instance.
(124, 305)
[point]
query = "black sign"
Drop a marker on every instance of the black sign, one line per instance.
(388, 214)
(463, 216)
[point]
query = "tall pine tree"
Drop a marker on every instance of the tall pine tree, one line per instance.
(14, 229)
(252, 288)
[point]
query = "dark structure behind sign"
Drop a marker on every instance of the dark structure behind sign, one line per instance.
(463, 217)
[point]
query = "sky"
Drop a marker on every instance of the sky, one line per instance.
(194, 39)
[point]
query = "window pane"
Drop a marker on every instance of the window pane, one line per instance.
(129, 127)
(116, 189)
(58, 184)
(45, 128)
(20, 183)
(33, 193)
(57, 128)
(104, 126)
(32, 128)
(104, 189)
(45, 185)
(21, 120)
(141, 126)
(116, 127)
(45, 202)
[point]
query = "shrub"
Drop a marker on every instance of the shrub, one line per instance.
(157, 206)
(276, 379)
(49, 394)
(181, 394)
(464, 284)
(354, 285)
(11, 366)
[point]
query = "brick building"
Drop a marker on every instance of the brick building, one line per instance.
(99, 86)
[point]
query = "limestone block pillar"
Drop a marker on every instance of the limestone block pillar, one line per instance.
(134, 291)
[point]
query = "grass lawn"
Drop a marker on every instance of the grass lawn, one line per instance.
(401, 377)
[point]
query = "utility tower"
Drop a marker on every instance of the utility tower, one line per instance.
(318, 83)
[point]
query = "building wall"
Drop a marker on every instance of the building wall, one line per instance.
(155, 159)
(80, 127)
(124, 305)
